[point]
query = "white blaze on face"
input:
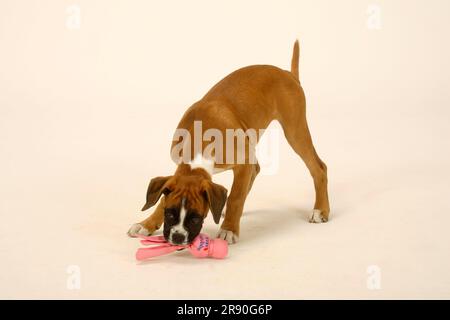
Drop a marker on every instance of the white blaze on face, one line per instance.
(179, 227)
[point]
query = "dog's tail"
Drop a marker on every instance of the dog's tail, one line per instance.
(294, 62)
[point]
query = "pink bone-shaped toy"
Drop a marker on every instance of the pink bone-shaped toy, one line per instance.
(201, 247)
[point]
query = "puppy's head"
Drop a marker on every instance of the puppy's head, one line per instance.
(187, 199)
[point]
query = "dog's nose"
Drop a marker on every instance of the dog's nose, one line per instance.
(178, 238)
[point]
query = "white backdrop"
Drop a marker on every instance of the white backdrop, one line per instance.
(90, 92)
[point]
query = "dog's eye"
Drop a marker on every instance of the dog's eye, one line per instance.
(196, 220)
(169, 213)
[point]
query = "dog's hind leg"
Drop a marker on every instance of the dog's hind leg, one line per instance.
(297, 134)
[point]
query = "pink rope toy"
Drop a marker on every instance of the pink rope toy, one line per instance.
(201, 247)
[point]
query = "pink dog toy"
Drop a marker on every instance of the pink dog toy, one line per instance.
(201, 247)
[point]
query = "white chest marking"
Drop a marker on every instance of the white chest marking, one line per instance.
(203, 163)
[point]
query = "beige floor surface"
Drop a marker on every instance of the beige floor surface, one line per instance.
(86, 119)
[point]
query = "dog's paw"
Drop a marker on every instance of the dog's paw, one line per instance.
(317, 217)
(136, 229)
(228, 236)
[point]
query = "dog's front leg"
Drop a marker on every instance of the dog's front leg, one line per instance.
(151, 224)
(229, 230)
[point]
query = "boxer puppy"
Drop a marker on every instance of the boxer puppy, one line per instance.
(247, 99)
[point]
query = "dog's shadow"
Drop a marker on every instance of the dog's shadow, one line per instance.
(256, 225)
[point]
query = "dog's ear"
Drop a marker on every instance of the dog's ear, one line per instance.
(217, 197)
(156, 187)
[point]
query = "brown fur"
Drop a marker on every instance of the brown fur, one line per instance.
(250, 97)
(195, 185)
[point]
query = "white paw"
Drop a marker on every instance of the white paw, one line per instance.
(136, 229)
(228, 236)
(317, 217)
